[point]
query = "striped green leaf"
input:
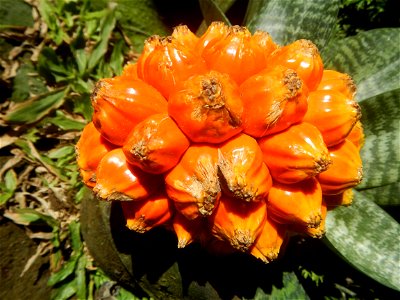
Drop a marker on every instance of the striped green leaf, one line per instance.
(380, 154)
(370, 57)
(288, 21)
(368, 238)
(384, 195)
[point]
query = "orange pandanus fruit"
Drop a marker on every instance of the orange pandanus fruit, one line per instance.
(237, 222)
(193, 183)
(227, 139)
(207, 108)
(268, 244)
(126, 182)
(143, 215)
(188, 231)
(239, 48)
(166, 62)
(121, 103)
(295, 154)
(273, 100)
(90, 149)
(346, 169)
(298, 203)
(340, 82)
(303, 57)
(333, 114)
(156, 144)
(246, 177)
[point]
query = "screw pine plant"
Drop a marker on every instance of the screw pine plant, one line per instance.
(229, 132)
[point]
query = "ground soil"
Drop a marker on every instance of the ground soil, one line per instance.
(15, 250)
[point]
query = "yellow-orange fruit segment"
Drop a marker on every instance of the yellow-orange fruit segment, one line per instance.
(314, 232)
(303, 57)
(143, 215)
(238, 222)
(345, 198)
(340, 82)
(118, 180)
(238, 48)
(120, 104)
(245, 175)
(273, 100)
(130, 71)
(346, 169)
(216, 32)
(156, 144)
(183, 35)
(295, 154)
(165, 62)
(269, 241)
(207, 108)
(298, 203)
(90, 149)
(187, 230)
(193, 183)
(333, 114)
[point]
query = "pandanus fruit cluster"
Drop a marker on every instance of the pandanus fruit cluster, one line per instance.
(228, 139)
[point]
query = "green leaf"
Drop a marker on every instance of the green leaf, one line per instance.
(25, 83)
(288, 21)
(380, 154)
(372, 58)
(368, 238)
(64, 122)
(292, 289)
(81, 58)
(142, 21)
(29, 216)
(36, 108)
(384, 195)
(10, 180)
(83, 105)
(66, 270)
(107, 26)
(66, 291)
(212, 12)
(80, 276)
(8, 187)
(15, 13)
(75, 232)
(117, 57)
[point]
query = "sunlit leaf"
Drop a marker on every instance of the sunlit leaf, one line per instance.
(64, 122)
(80, 277)
(75, 233)
(29, 216)
(380, 154)
(117, 57)
(65, 291)
(36, 108)
(368, 238)
(384, 195)
(107, 26)
(288, 21)
(370, 57)
(66, 270)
